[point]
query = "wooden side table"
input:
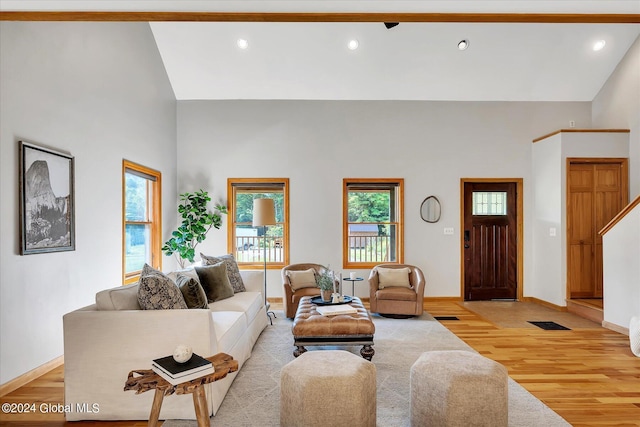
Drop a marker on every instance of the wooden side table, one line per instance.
(147, 380)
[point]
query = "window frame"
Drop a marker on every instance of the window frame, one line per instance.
(398, 183)
(258, 184)
(155, 218)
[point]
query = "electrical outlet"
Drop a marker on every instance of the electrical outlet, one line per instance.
(552, 231)
(448, 230)
(572, 123)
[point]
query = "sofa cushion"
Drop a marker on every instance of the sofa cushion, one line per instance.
(157, 292)
(214, 281)
(229, 327)
(118, 298)
(388, 277)
(192, 292)
(302, 279)
(232, 269)
(246, 302)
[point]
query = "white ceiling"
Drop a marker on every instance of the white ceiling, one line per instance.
(413, 61)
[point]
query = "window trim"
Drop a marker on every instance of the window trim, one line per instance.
(246, 182)
(346, 182)
(156, 221)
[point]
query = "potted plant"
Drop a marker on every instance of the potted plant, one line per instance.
(325, 282)
(196, 223)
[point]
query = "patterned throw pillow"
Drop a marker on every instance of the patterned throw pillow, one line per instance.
(192, 292)
(215, 282)
(232, 269)
(157, 292)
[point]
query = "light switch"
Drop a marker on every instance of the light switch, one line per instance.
(552, 231)
(448, 230)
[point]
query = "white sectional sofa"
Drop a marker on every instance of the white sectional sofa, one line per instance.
(106, 340)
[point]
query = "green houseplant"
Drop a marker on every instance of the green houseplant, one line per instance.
(325, 281)
(196, 223)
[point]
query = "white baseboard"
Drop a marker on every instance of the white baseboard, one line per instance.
(615, 328)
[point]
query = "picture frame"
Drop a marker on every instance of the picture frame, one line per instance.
(47, 204)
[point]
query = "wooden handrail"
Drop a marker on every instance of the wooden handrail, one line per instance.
(574, 130)
(616, 219)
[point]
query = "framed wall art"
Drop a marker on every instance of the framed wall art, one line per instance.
(47, 221)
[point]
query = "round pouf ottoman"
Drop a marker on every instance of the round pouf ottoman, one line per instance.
(328, 388)
(458, 388)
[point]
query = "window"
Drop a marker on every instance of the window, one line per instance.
(141, 217)
(252, 245)
(372, 222)
(489, 203)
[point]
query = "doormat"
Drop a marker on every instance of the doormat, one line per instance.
(549, 326)
(445, 318)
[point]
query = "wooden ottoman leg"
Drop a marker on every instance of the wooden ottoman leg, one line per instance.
(299, 350)
(367, 352)
(155, 408)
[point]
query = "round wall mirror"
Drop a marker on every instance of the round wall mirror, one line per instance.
(430, 209)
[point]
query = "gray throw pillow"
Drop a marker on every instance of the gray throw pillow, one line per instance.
(192, 292)
(215, 282)
(232, 269)
(158, 292)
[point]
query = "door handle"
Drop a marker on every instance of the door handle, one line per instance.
(467, 237)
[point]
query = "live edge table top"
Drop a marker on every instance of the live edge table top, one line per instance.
(312, 328)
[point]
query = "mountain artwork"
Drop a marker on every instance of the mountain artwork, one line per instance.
(47, 204)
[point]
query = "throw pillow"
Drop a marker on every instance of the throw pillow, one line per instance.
(390, 277)
(302, 278)
(232, 269)
(157, 292)
(192, 291)
(215, 282)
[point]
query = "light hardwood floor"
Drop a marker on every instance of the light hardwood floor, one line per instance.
(588, 376)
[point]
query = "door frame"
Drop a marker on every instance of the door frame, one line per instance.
(624, 166)
(519, 228)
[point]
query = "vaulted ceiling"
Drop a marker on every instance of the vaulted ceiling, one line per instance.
(411, 61)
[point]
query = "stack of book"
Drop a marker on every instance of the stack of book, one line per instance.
(334, 310)
(177, 373)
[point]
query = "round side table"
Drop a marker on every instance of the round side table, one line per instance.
(353, 282)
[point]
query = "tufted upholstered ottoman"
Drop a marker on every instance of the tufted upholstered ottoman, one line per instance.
(312, 328)
(328, 388)
(458, 388)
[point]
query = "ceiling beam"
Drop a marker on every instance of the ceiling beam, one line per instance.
(557, 18)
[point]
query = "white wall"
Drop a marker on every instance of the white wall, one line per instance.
(98, 91)
(617, 105)
(550, 176)
(318, 143)
(548, 273)
(621, 263)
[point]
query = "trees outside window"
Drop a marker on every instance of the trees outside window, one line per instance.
(141, 218)
(248, 243)
(372, 221)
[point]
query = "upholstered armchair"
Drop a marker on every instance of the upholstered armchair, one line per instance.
(396, 289)
(299, 282)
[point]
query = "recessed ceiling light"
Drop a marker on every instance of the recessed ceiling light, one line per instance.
(353, 44)
(599, 45)
(463, 44)
(242, 43)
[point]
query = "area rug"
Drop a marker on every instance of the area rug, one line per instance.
(253, 399)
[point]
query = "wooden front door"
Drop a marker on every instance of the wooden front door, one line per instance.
(490, 241)
(596, 192)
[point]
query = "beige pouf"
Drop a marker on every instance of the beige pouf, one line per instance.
(328, 388)
(458, 388)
